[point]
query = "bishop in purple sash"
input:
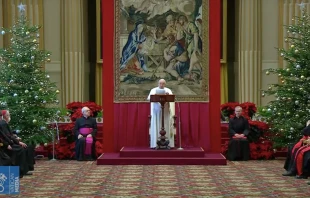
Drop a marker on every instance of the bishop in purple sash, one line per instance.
(85, 131)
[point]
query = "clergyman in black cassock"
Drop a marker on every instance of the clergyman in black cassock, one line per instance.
(293, 153)
(20, 154)
(238, 147)
(5, 160)
(85, 131)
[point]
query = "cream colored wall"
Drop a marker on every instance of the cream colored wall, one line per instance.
(55, 42)
(71, 73)
(248, 50)
(74, 51)
(52, 40)
(270, 39)
(86, 56)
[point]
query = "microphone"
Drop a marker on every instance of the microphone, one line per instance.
(57, 133)
(57, 116)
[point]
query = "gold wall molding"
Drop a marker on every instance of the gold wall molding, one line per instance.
(224, 70)
(74, 51)
(98, 85)
(249, 44)
(98, 31)
(224, 32)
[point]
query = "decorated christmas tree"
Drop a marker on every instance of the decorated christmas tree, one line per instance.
(25, 89)
(288, 113)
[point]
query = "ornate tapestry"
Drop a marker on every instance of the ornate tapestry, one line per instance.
(161, 39)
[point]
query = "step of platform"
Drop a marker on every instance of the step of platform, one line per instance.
(148, 152)
(115, 159)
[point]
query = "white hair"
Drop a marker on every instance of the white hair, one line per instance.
(162, 80)
(238, 107)
(84, 109)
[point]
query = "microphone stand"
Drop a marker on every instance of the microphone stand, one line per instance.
(57, 131)
(180, 144)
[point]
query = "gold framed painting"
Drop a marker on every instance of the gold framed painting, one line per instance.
(161, 39)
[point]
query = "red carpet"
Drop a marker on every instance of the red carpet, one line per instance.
(147, 156)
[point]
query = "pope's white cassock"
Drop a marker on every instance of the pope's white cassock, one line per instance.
(169, 112)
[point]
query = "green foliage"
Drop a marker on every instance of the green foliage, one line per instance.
(25, 89)
(262, 111)
(100, 114)
(63, 112)
(288, 113)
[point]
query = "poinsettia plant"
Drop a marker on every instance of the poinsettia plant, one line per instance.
(260, 150)
(260, 147)
(75, 109)
(228, 109)
(65, 149)
(257, 128)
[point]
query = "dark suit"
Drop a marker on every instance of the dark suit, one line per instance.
(238, 148)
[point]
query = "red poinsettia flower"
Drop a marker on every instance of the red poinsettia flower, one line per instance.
(66, 127)
(99, 148)
(74, 105)
(260, 125)
(92, 106)
(77, 114)
(224, 148)
(249, 106)
(230, 106)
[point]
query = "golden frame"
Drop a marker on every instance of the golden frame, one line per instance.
(99, 64)
(204, 94)
(224, 32)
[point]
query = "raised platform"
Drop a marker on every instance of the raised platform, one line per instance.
(147, 152)
(147, 156)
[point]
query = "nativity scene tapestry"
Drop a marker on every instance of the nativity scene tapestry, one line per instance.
(157, 39)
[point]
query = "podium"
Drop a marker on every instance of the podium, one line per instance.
(163, 141)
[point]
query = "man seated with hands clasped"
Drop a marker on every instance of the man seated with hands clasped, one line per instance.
(238, 148)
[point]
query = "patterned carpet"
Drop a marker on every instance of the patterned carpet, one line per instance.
(86, 179)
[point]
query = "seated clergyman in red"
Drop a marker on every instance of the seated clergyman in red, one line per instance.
(298, 159)
(238, 147)
(85, 131)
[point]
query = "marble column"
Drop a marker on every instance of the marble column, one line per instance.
(249, 49)
(74, 66)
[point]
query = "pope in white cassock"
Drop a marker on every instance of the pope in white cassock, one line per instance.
(169, 112)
